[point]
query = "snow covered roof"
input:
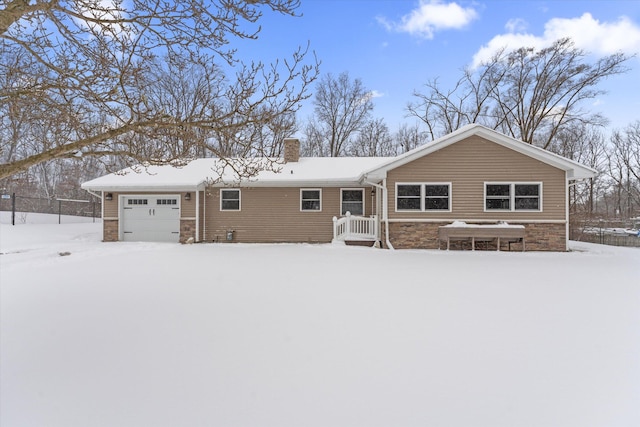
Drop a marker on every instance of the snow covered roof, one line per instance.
(574, 169)
(308, 171)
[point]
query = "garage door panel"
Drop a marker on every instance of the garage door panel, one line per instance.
(151, 236)
(152, 224)
(151, 218)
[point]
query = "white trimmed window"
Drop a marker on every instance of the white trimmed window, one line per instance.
(352, 200)
(311, 200)
(514, 196)
(423, 197)
(229, 200)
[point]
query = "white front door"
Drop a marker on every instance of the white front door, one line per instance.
(150, 218)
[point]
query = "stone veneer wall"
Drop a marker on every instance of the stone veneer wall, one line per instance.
(424, 235)
(187, 229)
(110, 230)
(546, 237)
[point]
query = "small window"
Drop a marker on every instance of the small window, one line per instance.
(498, 197)
(166, 202)
(352, 201)
(311, 200)
(513, 197)
(527, 197)
(137, 201)
(408, 197)
(229, 200)
(436, 197)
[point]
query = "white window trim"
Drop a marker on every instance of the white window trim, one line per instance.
(364, 199)
(320, 196)
(222, 190)
(512, 195)
(423, 195)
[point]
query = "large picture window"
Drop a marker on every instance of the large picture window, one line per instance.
(524, 196)
(311, 200)
(352, 200)
(229, 200)
(423, 197)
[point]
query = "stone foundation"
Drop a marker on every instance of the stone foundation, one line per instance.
(187, 230)
(110, 230)
(545, 237)
(414, 235)
(424, 235)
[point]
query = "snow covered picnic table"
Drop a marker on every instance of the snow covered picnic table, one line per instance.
(500, 232)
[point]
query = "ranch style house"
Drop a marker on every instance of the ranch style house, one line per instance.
(472, 188)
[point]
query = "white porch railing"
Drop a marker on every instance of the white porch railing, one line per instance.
(351, 227)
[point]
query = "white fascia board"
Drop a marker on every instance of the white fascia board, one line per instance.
(142, 188)
(290, 183)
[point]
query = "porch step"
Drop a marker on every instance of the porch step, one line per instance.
(367, 243)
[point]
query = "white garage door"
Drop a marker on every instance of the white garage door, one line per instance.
(151, 218)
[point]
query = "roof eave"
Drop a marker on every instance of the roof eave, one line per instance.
(338, 182)
(141, 188)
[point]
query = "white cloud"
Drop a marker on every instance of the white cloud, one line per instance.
(431, 16)
(516, 25)
(593, 36)
(372, 94)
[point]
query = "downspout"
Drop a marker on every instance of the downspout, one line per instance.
(383, 187)
(566, 207)
(204, 213)
(197, 215)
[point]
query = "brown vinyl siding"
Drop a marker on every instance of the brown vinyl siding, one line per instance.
(273, 215)
(188, 207)
(468, 164)
(110, 207)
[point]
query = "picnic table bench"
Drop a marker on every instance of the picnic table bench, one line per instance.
(501, 232)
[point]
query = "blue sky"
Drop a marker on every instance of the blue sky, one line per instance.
(395, 46)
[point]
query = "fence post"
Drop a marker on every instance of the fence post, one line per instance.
(348, 228)
(13, 209)
(59, 211)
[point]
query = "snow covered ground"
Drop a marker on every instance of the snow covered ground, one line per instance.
(142, 334)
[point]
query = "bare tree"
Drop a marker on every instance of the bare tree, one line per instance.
(374, 140)
(624, 169)
(528, 94)
(409, 137)
(584, 143)
(89, 66)
(269, 137)
(341, 108)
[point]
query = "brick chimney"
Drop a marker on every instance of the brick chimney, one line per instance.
(291, 150)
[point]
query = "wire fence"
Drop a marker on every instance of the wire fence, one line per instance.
(19, 204)
(606, 232)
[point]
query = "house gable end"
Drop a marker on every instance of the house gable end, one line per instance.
(467, 166)
(574, 170)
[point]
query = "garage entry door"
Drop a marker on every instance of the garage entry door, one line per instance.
(151, 218)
